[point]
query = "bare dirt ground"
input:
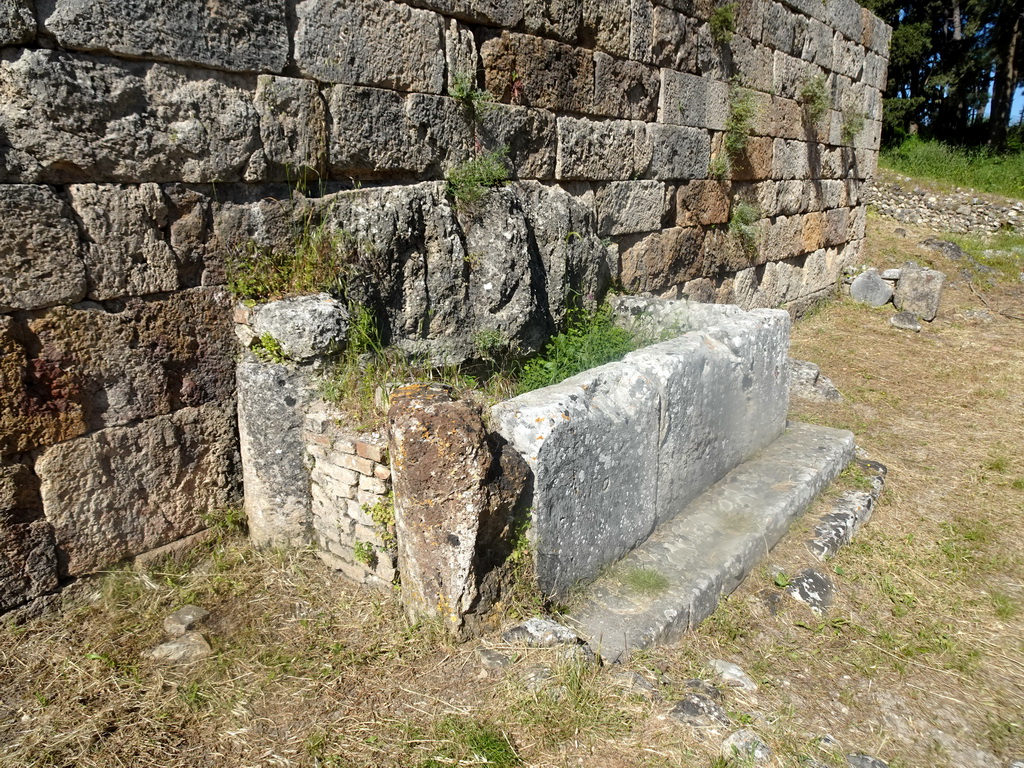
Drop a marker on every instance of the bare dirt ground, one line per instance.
(920, 662)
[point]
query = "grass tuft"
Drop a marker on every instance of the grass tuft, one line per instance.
(471, 180)
(980, 169)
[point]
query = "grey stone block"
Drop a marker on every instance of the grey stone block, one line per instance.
(641, 30)
(674, 40)
(596, 151)
(536, 72)
(306, 327)
(869, 288)
(663, 259)
(847, 17)
(624, 89)
(607, 23)
(40, 254)
(848, 58)
(71, 118)
(120, 491)
(625, 207)
(678, 152)
(17, 22)
(460, 53)
(818, 44)
(905, 321)
(126, 250)
(28, 562)
(553, 18)
(232, 34)
(500, 13)
(692, 100)
(271, 399)
(404, 51)
(293, 128)
(919, 291)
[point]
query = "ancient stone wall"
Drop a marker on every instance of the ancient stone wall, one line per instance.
(143, 143)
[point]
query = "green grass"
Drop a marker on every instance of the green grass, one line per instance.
(589, 341)
(978, 169)
(723, 23)
(460, 740)
(471, 180)
(644, 581)
(1002, 251)
(815, 98)
(742, 110)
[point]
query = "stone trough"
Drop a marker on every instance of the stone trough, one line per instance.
(676, 460)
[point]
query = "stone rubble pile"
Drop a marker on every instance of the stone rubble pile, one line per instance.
(962, 210)
(914, 290)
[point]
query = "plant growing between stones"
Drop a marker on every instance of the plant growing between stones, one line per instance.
(644, 581)
(742, 220)
(383, 515)
(364, 553)
(475, 102)
(853, 124)
(468, 182)
(742, 111)
(723, 23)
(269, 350)
(814, 97)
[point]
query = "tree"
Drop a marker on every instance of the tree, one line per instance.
(1006, 34)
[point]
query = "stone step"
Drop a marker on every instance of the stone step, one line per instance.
(674, 580)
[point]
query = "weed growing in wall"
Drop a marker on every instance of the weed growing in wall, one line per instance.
(364, 553)
(476, 102)
(589, 341)
(383, 515)
(814, 97)
(742, 219)
(742, 111)
(723, 23)
(853, 124)
(468, 182)
(269, 350)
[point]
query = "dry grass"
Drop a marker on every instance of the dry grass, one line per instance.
(921, 660)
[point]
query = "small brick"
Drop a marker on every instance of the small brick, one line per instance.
(372, 485)
(241, 315)
(382, 472)
(331, 475)
(344, 445)
(356, 464)
(370, 451)
(313, 439)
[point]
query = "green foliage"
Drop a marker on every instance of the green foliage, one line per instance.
(463, 740)
(226, 520)
(590, 340)
(853, 124)
(720, 166)
(471, 180)
(320, 260)
(742, 220)
(645, 581)
(986, 171)
(364, 553)
(815, 98)
(383, 515)
(741, 115)
(723, 23)
(476, 102)
(269, 350)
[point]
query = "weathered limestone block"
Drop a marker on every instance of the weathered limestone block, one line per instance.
(232, 34)
(293, 128)
(371, 42)
(756, 62)
(607, 150)
(460, 54)
(40, 255)
(28, 562)
(781, 238)
(530, 135)
(869, 288)
(453, 501)
(701, 203)
(877, 34)
(678, 152)
(606, 26)
(674, 40)
(624, 89)
(750, 16)
(17, 22)
(553, 18)
(125, 490)
(818, 45)
(755, 161)
(779, 27)
(641, 30)
(663, 259)
(126, 251)
(40, 403)
(848, 58)
(726, 252)
(777, 117)
(814, 9)
(625, 207)
(499, 13)
(149, 358)
(837, 226)
(19, 494)
(692, 100)
(271, 399)
(790, 160)
(789, 75)
(536, 72)
(71, 118)
(813, 231)
(306, 327)
(846, 16)
(919, 291)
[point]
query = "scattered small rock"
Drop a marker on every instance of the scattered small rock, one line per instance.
(536, 676)
(806, 382)
(190, 647)
(703, 688)
(733, 675)
(891, 274)
(492, 660)
(772, 600)
(1016, 764)
(905, 321)
(978, 316)
(864, 761)
(540, 633)
(900, 232)
(184, 620)
(582, 654)
(869, 288)
(694, 709)
(748, 747)
(634, 682)
(814, 588)
(948, 249)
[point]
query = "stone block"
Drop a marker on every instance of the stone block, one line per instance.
(271, 399)
(750, 17)
(919, 291)
(779, 27)
(40, 254)
(678, 152)
(877, 34)
(818, 44)
(305, 327)
(869, 288)
(28, 562)
(789, 75)
(777, 117)
(150, 358)
(530, 136)
(793, 197)
(693, 100)
(848, 58)
(663, 259)
(126, 248)
(499, 13)
(19, 494)
(813, 231)
(332, 476)
(371, 451)
(674, 40)
(814, 9)
(372, 485)
(756, 62)
(596, 151)
(355, 463)
(233, 34)
(624, 89)
(712, 59)
(837, 226)
(17, 22)
(781, 238)
(755, 161)
(606, 26)
(790, 160)
(535, 72)
(293, 128)
(845, 16)
(71, 118)
(126, 490)
(553, 18)
(403, 52)
(702, 203)
(460, 54)
(625, 207)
